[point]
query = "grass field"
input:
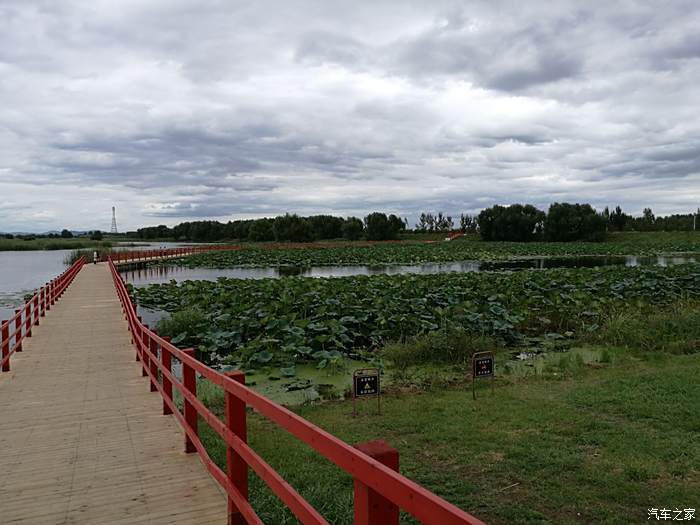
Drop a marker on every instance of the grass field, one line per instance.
(46, 243)
(597, 445)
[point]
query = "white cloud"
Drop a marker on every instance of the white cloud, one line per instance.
(178, 110)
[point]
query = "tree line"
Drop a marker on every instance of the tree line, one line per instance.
(621, 221)
(563, 222)
(283, 228)
(517, 222)
(572, 222)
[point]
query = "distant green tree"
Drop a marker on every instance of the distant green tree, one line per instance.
(292, 228)
(353, 228)
(468, 223)
(326, 226)
(379, 227)
(574, 222)
(517, 222)
(422, 224)
(261, 230)
(155, 232)
(396, 225)
(66, 234)
(96, 235)
(619, 219)
(648, 220)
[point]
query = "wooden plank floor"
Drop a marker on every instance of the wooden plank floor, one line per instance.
(82, 440)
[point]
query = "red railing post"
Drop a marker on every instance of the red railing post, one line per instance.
(152, 360)
(371, 508)
(136, 339)
(52, 298)
(42, 301)
(236, 467)
(166, 359)
(5, 344)
(18, 330)
(28, 319)
(143, 342)
(190, 380)
(35, 306)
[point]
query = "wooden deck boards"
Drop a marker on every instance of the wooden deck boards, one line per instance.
(82, 440)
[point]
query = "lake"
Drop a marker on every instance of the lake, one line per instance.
(22, 272)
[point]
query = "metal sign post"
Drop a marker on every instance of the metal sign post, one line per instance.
(483, 365)
(365, 383)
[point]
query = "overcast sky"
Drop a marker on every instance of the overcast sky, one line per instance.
(177, 110)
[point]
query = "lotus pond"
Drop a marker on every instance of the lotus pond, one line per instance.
(294, 321)
(462, 249)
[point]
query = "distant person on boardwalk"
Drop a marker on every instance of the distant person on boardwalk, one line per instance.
(94, 257)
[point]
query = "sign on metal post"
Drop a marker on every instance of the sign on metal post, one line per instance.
(482, 366)
(365, 383)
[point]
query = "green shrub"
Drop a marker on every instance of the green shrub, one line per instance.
(187, 327)
(452, 347)
(674, 329)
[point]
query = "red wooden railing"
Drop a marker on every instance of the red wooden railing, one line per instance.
(14, 330)
(130, 256)
(379, 490)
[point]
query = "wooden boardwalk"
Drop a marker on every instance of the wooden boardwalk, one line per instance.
(82, 440)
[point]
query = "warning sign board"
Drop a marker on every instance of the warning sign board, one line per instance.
(365, 383)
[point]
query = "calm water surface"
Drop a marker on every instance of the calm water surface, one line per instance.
(22, 272)
(164, 274)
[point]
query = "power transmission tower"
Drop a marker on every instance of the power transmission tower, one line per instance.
(113, 229)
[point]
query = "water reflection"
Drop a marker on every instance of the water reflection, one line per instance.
(164, 274)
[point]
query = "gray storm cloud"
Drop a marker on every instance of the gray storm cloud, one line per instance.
(182, 110)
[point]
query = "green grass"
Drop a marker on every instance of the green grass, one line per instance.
(600, 447)
(45, 243)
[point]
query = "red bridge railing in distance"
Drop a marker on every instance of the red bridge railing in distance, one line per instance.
(380, 491)
(14, 330)
(129, 256)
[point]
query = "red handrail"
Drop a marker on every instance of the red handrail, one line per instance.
(14, 330)
(155, 354)
(129, 256)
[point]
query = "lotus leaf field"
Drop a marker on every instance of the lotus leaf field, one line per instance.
(286, 321)
(463, 249)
